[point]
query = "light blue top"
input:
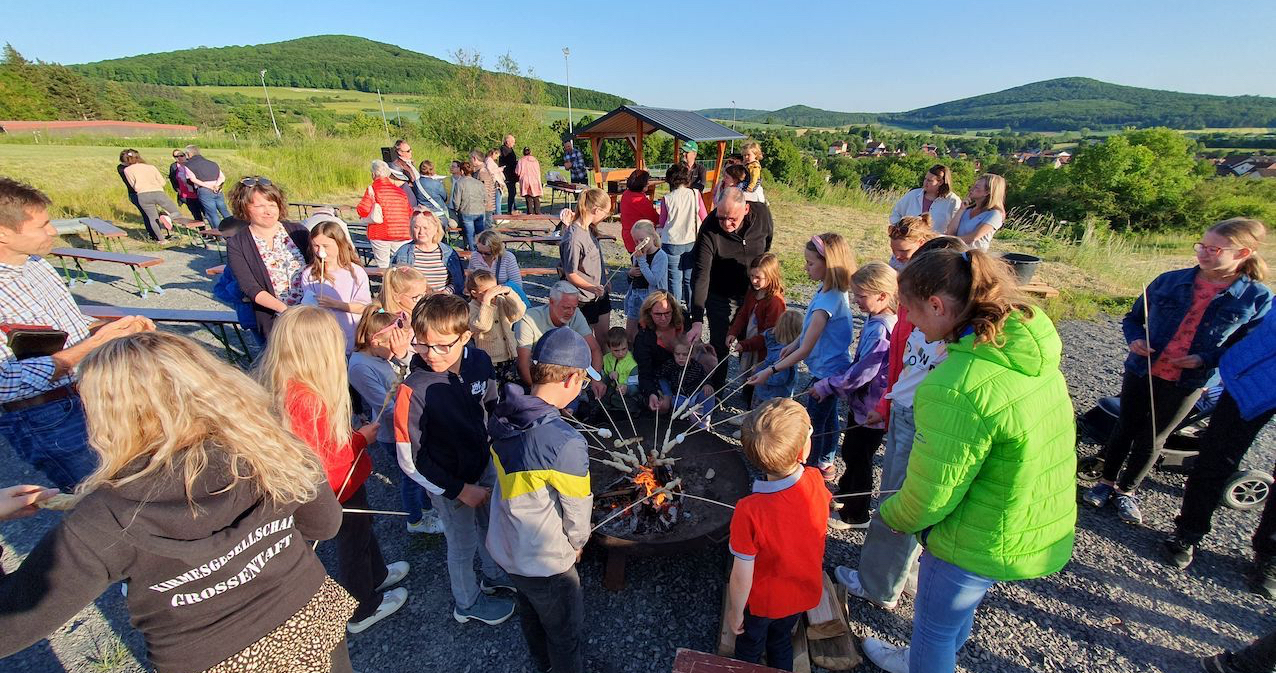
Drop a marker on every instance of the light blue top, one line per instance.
(831, 354)
(968, 224)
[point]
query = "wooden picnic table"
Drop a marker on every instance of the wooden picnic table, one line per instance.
(568, 189)
(214, 271)
(133, 262)
(531, 241)
(216, 322)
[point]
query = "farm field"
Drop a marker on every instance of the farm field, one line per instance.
(349, 102)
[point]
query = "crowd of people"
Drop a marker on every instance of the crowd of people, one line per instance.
(203, 478)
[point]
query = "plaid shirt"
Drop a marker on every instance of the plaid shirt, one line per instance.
(34, 294)
(578, 166)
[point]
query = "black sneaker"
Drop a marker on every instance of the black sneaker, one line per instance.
(1219, 663)
(1262, 579)
(1180, 553)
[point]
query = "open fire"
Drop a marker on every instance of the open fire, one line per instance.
(654, 485)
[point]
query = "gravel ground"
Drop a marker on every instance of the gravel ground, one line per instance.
(1116, 606)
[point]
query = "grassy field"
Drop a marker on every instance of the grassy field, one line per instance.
(1099, 272)
(349, 102)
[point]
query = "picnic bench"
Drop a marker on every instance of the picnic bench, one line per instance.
(215, 271)
(133, 262)
(304, 208)
(216, 322)
(531, 241)
(111, 235)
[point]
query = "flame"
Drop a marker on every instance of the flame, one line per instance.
(646, 478)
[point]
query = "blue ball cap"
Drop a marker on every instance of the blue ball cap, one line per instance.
(562, 346)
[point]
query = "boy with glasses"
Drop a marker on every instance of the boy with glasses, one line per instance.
(442, 443)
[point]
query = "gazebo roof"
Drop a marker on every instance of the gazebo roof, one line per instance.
(682, 124)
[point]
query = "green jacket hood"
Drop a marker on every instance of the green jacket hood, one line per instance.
(1029, 346)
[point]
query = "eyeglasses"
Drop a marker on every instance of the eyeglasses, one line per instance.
(405, 150)
(400, 321)
(1211, 249)
(256, 181)
(179, 155)
(438, 349)
(661, 313)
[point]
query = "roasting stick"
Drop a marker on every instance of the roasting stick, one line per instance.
(673, 413)
(353, 510)
(631, 416)
(1147, 344)
(742, 414)
(679, 412)
(727, 385)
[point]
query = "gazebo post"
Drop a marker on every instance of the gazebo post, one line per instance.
(717, 171)
(639, 163)
(594, 143)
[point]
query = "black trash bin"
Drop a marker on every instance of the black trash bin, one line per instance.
(1023, 264)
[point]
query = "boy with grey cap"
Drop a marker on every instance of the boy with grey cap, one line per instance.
(541, 504)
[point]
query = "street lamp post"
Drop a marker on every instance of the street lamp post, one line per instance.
(733, 125)
(269, 106)
(567, 65)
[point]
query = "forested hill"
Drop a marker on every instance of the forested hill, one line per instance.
(319, 62)
(1077, 102)
(1066, 104)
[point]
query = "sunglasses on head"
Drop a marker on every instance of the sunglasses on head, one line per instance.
(400, 321)
(256, 181)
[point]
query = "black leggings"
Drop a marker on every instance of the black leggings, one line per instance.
(1132, 445)
(360, 567)
(859, 444)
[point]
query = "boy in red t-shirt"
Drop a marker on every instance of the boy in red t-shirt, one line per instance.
(777, 535)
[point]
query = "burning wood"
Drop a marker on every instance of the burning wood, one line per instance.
(648, 481)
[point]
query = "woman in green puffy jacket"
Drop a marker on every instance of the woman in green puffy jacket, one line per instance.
(990, 491)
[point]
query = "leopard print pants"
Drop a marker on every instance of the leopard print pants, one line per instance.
(304, 643)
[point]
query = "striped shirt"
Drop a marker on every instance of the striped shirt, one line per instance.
(431, 265)
(34, 294)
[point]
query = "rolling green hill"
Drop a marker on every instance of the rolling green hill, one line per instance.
(319, 62)
(1066, 104)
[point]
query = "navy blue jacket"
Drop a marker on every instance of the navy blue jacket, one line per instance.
(1249, 371)
(1231, 314)
(406, 256)
(440, 426)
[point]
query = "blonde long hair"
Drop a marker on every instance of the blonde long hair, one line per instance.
(396, 281)
(165, 399)
(839, 261)
(1247, 233)
(308, 348)
(996, 199)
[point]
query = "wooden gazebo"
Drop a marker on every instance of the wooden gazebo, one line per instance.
(634, 122)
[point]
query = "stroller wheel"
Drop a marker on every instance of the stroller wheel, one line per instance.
(1090, 468)
(1247, 489)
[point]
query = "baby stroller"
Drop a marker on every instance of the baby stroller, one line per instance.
(1247, 489)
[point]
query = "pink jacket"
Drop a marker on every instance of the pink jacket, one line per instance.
(529, 176)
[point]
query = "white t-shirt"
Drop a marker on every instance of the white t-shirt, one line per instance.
(920, 356)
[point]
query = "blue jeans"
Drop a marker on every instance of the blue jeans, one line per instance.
(471, 226)
(680, 265)
(700, 402)
(214, 205)
(824, 429)
(772, 635)
(943, 614)
(53, 438)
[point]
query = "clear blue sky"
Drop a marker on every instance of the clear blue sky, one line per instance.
(845, 55)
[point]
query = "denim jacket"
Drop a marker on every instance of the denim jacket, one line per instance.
(779, 384)
(406, 255)
(1231, 314)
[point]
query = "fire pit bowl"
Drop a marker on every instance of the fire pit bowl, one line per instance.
(698, 524)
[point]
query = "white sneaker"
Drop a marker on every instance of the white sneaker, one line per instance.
(429, 523)
(390, 604)
(395, 572)
(889, 658)
(851, 580)
(836, 523)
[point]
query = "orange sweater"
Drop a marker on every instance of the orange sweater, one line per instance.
(309, 421)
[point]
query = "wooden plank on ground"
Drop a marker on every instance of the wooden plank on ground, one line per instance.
(726, 639)
(801, 653)
(1039, 289)
(691, 661)
(828, 619)
(839, 653)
